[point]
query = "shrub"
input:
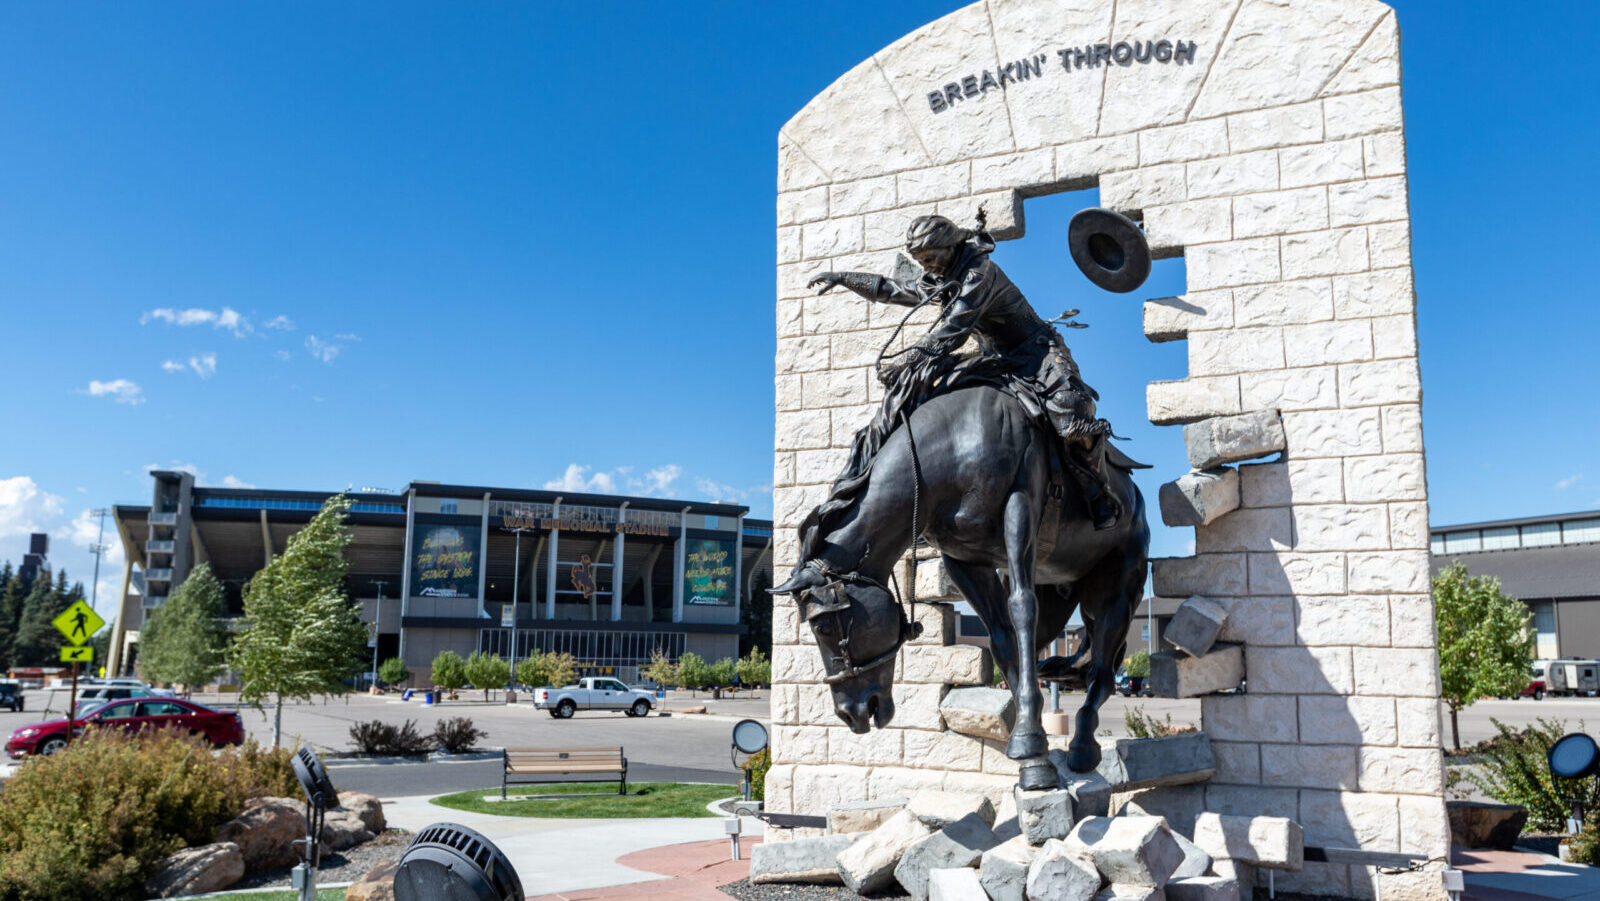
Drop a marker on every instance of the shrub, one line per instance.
(457, 734)
(1584, 847)
(379, 737)
(754, 668)
(760, 762)
(95, 821)
(1138, 665)
(449, 670)
(393, 671)
(1514, 770)
(1143, 725)
(256, 771)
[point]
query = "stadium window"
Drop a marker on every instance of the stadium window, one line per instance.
(1500, 539)
(1581, 532)
(1541, 535)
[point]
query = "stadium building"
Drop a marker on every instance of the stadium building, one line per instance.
(453, 567)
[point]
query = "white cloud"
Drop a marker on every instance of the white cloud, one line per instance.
(578, 478)
(172, 366)
(122, 391)
(26, 508)
(227, 318)
(716, 491)
(346, 336)
(1569, 481)
(204, 365)
(281, 354)
(660, 479)
(232, 481)
(322, 350)
(280, 323)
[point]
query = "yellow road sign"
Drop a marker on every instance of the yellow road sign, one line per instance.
(77, 655)
(78, 623)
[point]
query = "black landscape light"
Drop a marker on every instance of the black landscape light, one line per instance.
(749, 738)
(447, 862)
(1574, 756)
(320, 796)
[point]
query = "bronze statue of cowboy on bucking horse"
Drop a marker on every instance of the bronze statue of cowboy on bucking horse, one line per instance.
(998, 462)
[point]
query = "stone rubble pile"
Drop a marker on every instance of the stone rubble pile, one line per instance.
(947, 846)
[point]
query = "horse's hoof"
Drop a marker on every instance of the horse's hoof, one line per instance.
(1083, 758)
(1038, 774)
(1027, 744)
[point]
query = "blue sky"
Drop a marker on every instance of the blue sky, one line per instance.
(522, 244)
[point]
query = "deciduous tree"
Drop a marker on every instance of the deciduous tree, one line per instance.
(393, 671)
(487, 672)
(181, 641)
(301, 635)
(1484, 641)
(448, 670)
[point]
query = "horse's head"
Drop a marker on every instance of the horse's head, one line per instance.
(859, 627)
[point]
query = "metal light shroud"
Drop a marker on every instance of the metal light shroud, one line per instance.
(449, 862)
(1574, 756)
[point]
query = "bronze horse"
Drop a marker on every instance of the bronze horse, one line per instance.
(981, 473)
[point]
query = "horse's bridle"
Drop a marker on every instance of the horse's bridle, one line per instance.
(832, 598)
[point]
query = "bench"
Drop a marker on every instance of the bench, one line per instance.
(530, 766)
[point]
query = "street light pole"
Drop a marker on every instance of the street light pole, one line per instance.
(516, 573)
(377, 630)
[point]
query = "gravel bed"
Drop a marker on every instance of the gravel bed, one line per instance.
(745, 891)
(338, 866)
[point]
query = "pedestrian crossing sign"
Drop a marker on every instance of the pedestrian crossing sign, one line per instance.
(84, 654)
(78, 623)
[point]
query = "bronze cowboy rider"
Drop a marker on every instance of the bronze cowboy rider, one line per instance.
(978, 300)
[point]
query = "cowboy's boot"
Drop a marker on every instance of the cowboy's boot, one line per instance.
(1104, 509)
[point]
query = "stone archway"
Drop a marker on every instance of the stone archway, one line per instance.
(1263, 140)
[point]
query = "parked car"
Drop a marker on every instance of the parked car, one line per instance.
(593, 693)
(1128, 686)
(218, 727)
(11, 696)
(1536, 681)
(96, 695)
(134, 683)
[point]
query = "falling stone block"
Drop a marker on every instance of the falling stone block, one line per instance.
(1199, 498)
(1135, 763)
(1129, 850)
(810, 860)
(1003, 870)
(960, 844)
(1196, 625)
(862, 816)
(1062, 873)
(1091, 793)
(1044, 815)
(938, 809)
(979, 712)
(1177, 804)
(1277, 843)
(1228, 439)
(867, 866)
(955, 885)
(1203, 888)
(1176, 675)
(1195, 861)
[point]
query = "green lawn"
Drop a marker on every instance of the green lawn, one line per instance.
(593, 800)
(323, 894)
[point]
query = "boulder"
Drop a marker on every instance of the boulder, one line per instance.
(1003, 871)
(1196, 625)
(1135, 763)
(1174, 674)
(1195, 861)
(1203, 888)
(367, 807)
(343, 829)
(1062, 873)
(955, 885)
(808, 860)
(1479, 824)
(1044, 814)
(377, 884)
(938, 809)
(862, 816)
(196, 871)
(1229, 439)
(979, 712)
(867, 866)
(263, 832)
(1199, 498)
(1129, 850)
(960, 844)
(1276, 843)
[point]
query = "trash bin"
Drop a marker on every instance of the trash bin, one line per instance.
(406, 696)
(661, 693)
(427, 699)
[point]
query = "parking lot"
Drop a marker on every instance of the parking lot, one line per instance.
(676, 748)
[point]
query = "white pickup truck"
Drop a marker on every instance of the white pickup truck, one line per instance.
(593, 693)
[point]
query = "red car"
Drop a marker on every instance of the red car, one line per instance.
(132, 716)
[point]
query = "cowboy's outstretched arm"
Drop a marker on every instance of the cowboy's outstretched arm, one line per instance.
(959, 318)
(879, 288)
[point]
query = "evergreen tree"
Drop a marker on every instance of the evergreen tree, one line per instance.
(181, 641)
(12, 598)
(38, 642)
(301, 635)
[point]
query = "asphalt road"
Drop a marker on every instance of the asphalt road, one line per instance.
(676, 748)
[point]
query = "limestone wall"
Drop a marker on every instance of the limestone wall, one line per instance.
(1272, 157)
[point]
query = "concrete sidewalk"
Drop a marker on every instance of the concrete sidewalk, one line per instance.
(1524, 876)
(561, 856)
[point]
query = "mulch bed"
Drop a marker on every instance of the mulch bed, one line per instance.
(338, 866)
(744, 890)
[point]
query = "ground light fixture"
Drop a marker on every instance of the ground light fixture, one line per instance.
(749, 738)
(1574, 756)
(320, 796)
(449, 862)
